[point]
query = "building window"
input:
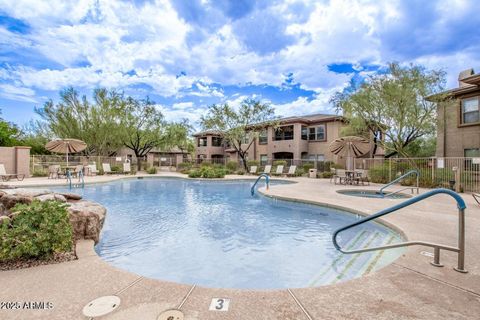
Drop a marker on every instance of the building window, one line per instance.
(473, 159)
(283, 133)
(217, 141)
(263, 137)
(246, 139)
(263, 159)
(304, 133)
(202, 142)
(320, 157)
(317, 133)
(470, 110)
(472, 153)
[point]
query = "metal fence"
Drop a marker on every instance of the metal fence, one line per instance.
(461, 174)
(39, 163)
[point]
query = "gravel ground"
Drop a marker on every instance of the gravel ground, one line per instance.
(33, 262)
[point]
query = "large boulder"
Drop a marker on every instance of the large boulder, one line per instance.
(52, 196)
(10, 200)
(87, 219)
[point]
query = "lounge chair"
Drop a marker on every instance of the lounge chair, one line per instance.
(7, 176)
(279, 170)
(53, 171)
(267, 169)
(253, 170)
(92, 170)
(77, 170)
(291, 171)
(476, 196)
(106, 168)
(127, 169)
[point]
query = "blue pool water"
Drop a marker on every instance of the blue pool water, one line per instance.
(215, 234)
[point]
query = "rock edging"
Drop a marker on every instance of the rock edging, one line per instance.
(86, 217)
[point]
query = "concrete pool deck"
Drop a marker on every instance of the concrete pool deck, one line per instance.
(409, 288)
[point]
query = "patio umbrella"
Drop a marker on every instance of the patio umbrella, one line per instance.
(351, 147)
(66, 146)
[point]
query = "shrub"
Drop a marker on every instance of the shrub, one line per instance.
(206, 164)
(232, 165)
(39, 173)
(152, 170)
(326, 174)
(307, 166)
(241, 172)
(299, 172)
(207, 172)
(116, 169)
(279, 163)
(184, 167)
(253, 163)
(36, 230)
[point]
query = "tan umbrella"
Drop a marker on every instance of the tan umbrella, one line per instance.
(351, 147)
(66, 146)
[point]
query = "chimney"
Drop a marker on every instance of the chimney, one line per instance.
(464, 74)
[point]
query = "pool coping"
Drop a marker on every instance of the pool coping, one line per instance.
(402, 289)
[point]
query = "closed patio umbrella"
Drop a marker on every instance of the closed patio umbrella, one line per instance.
(66, 146)
(351, 147)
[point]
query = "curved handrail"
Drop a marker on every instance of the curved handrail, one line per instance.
(267, 181)
(461, 237)
(81, 178)
(414, 171)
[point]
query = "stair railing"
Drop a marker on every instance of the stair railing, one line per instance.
(267, 182)
(460, 249)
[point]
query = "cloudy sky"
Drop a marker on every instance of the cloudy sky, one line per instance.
(189, 54)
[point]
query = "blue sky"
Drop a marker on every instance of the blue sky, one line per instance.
(186, 55)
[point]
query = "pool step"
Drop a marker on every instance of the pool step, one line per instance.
(354, 265)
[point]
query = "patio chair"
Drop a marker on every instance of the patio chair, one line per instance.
(53, 171)
(127, 168)
(106, 168)
(279, 170)
(342, 176)
(362, 176)
(253, 170)
(334, 176)
(7, 176)
(268, 169)
(291, 171)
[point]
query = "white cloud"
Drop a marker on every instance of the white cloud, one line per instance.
(17, 93)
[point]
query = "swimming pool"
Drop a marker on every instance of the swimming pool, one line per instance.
(215, 234)
(373, 194)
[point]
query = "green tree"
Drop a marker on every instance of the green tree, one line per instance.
(393, 106)
(95, 123)
(143, 127)
(239, 128)
(36, 134)
(9, 133)
(178, 134)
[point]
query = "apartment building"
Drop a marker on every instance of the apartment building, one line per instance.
(458, 130)
(303, 137)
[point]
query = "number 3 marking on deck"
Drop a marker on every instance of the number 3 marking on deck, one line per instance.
(219, 304)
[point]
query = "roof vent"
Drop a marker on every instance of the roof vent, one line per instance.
(464, 74)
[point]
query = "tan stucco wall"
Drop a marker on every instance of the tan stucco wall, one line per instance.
(16, 159)
(453, 139)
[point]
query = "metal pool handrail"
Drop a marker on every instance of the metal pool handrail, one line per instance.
(80, 178)
(414, 171)
(460, 250)
(69, 178)
(267, 180)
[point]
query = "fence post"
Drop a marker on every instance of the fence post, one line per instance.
(433, 170)
(390, 169)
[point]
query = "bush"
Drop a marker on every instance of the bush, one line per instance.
(116, 169)
(152, 170)
(206, 164)
(39, 173)
(307, 166)
(184, 167)
(326, 174)
(240, 172)
(232, 166)
(36, 230)
(279, 163)
(207, 172)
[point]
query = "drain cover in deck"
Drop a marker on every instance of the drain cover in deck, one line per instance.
(101, 306)
(172, 314)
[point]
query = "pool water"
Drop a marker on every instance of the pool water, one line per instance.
(373, 194)
(215, 234)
